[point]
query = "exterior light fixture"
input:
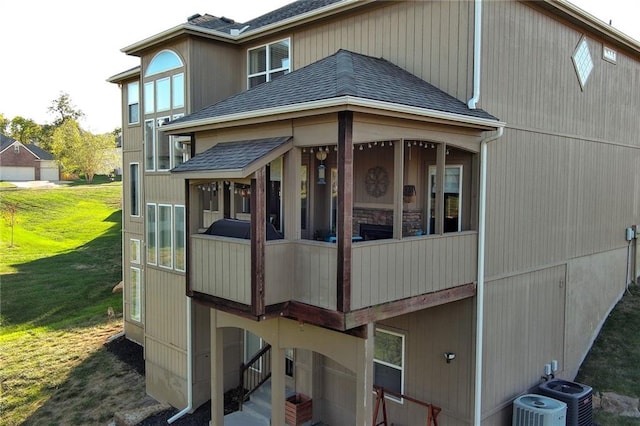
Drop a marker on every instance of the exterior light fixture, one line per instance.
(321, 156)
(449, 356)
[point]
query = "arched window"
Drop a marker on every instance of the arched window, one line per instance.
(163, 61)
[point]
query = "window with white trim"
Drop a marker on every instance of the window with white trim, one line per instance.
(151, 225)
(166, 236)
(134, 188)
(582, 62)
(134, 249)
(135, 294)
(388, 361)
(179, 238)
(149, 145)
(163, 145)
(452, 199)
(149, 97)
(133, 102)
(268, 62)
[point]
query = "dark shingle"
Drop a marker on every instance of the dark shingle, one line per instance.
(232, 155)
(341, 74)
(39, 152)
(5, 142)
(288, 11)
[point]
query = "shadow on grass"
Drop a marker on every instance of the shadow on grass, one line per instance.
(93, 392)
(68, 289)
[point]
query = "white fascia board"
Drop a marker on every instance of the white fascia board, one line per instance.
(183, 28)
(172, 32)
(308, 16)
(343, 101)
(125, 75)
(595, 23)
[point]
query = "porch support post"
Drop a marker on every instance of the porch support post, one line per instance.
(345, 209)
(440, 170)
(217, 370)
(364, 379)
(398, 185)
(291, 194)
(277, 384)
(258, 236)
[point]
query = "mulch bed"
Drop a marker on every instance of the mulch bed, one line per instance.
(132, 354)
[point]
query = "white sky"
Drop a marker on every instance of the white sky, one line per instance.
(73, 46)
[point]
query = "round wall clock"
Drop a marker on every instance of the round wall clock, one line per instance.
(376, 181)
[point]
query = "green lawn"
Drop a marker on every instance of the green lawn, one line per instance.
(613, 363)
(55, 288)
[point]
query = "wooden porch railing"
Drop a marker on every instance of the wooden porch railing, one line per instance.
(254, 373)
(432, 410)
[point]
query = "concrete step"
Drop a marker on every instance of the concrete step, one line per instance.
(258, 410)
(244, 418)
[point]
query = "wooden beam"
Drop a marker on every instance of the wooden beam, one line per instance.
(398, 188)
(345, 209)
(406, 306)
(258, 236)
(441, 154)
(315, 315)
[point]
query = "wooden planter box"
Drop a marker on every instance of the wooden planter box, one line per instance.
(298, 409)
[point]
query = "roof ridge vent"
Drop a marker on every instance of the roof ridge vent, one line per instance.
(194, 16)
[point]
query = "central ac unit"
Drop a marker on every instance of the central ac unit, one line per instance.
(538, 410)
(578, 397)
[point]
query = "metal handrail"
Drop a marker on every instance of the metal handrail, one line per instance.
(251, 378)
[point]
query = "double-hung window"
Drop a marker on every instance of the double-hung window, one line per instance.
(388, 361)
(133, 102)
(268, 62)
(135, 281)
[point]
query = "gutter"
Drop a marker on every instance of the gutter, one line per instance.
(347, 101)
(477, 53)
(189, 406)
(477, 404)
(247, 33)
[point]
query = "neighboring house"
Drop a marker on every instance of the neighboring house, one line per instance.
(453, 182)
(21, 162)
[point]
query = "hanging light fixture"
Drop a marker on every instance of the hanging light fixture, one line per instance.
(321, 156)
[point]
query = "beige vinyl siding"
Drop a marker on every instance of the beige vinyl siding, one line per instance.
(315, 274)
(213, 72)
(221, 267)
(517, 349)
(532, 83)
(394, 270)
(555, 195)
(432, 40)
(165, 337)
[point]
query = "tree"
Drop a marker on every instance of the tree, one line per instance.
(24, 130)
(63, 109)
(79, 151)
(4, 124)
(9, 211)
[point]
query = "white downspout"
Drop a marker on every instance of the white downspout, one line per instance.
(477, 50)
(477, 404)
(189, 369)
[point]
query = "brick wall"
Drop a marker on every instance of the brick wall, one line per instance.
(411, 219)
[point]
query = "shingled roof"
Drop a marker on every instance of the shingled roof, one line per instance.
(288, 11)
(233, 156)
(343, 74)
(39, 153)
